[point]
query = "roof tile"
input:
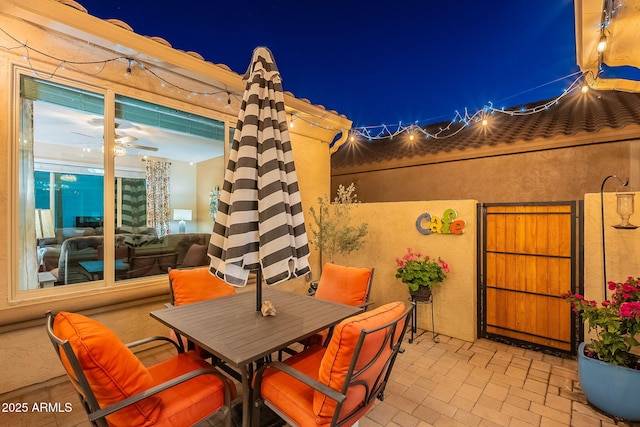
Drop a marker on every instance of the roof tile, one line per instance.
(575, 113)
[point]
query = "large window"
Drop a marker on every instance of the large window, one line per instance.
(97, 208)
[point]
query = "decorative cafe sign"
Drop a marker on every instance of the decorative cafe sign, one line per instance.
(448, 224)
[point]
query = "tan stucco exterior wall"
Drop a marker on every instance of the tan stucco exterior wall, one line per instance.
(548, 175)
(124, 308)
(392, 229)
(622, 246)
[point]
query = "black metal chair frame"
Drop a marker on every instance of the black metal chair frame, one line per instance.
(89, 402)
(351, 379)
(364, 306)
(216, 361)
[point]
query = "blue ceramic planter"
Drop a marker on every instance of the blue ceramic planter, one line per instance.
(610, 388)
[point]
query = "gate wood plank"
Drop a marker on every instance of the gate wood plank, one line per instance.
(528, 250)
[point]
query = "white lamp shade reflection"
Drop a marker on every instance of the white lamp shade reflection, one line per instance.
(182, 215)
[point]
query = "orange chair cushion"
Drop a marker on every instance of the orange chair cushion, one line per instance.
(329, 365)
(335, 363)
(193, 400)
(346, 285)
(197, 284)
(290, 394)
(113, 371)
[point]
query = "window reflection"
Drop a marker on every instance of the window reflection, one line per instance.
(68, 213)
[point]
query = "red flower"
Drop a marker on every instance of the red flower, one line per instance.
(630, 310)
(616, 321)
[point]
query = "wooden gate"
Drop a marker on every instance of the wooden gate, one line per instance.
(529, 258)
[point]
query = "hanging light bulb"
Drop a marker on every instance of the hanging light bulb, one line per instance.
(585, 89)
(602, 44)
(411, 137)
(128, 72)
(485, 122)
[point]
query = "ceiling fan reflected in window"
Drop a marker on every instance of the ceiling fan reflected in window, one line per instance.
(122, 142)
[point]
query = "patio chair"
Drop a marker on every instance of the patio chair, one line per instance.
(335, 385)
(189, 285)
(345, 285)
(115, 388)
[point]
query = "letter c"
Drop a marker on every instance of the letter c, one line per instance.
(426, 217)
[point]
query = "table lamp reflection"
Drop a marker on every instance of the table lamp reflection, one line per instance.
(182, 215)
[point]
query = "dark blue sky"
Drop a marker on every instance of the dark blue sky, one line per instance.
(378, 62)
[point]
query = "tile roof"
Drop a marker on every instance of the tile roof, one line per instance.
(575, 113)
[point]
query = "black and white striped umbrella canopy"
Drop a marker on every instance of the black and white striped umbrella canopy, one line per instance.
(260, 223)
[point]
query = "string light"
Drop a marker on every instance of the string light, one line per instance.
(455, 126)
(128, 72)
(602, 44)
(99, 66)
(460, 121)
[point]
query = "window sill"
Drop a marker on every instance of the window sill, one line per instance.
(30, 312)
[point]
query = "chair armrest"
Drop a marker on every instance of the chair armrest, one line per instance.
(157, 389)
(152, 339)
(322, 388)
(365, 305)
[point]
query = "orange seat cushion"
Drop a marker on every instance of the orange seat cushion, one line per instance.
(197, 284)
(335, 363)
(290, 394)
(308, 407)
(193, 400)
(112, 370)
(346, 285)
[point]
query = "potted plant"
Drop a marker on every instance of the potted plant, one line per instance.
(421, 273)
(609, 365)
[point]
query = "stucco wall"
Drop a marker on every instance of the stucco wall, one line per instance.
(622, 246)
(549, 175)
(209, 173)
(32, 359)
(392, 229)
(125, 307)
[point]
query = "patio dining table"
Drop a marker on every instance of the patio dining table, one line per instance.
(231, 329)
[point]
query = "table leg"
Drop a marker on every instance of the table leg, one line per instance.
(247, 372)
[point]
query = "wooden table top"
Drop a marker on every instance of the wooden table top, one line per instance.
(231, 328)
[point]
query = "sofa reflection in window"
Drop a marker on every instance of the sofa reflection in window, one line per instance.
(81, 259)
(153, 256)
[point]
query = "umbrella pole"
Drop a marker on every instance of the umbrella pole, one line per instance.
(259, 289)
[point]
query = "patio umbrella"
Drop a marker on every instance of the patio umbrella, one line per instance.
(260, 222)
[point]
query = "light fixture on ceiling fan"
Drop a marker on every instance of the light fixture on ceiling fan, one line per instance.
(119, 150)
(122, 142)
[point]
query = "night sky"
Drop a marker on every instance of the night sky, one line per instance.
(378, 62)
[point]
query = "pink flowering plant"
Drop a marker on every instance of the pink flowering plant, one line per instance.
(616, 322)
(416, 269)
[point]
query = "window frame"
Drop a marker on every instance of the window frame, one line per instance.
(106, 291)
